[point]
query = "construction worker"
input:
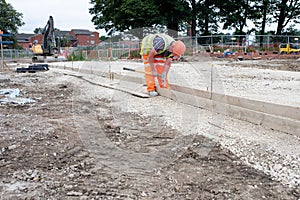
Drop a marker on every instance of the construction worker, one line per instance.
(158, 51)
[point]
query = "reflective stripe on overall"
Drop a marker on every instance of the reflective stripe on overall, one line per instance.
(159, 64)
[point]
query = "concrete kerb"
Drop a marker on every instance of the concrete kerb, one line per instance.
(274, 116)
(265, 117)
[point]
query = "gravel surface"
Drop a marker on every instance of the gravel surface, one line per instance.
(264, 80)
(82, 140)
(248, 79)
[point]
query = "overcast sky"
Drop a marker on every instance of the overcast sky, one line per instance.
(67, 14)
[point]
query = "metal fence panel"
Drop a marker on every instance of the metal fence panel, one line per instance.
(129, 49)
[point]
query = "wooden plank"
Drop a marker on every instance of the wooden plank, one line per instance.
(134, 93)
(275, 116)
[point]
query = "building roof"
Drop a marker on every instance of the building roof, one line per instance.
(65, 34)
(62, 33)
(24, 37)
(81, 32)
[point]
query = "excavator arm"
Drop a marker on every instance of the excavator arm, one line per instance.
(49, 43)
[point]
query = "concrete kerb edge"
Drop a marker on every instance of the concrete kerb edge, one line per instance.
(275, 116)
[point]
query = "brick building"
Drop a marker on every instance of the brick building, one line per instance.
(73, 38)
(85, 37)
(24, 40)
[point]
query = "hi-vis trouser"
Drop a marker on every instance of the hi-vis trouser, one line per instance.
(159, 63)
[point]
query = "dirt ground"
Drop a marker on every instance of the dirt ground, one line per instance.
(68, 145)
(278, 64)
(284, 62)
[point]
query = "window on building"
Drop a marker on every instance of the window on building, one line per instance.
(92, 42)
(92, 35)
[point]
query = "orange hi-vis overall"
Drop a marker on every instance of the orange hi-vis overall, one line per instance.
(159, 60)
(159, 64)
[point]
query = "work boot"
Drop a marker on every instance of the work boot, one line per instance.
(153, 93)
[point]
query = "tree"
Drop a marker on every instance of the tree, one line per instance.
(192, 22)
(174, 13)
(37, 30)
(262, 16)
(287, 11)
(133, 14)
(234, 14)
(10, 19)
(208, 16)
(124, 15)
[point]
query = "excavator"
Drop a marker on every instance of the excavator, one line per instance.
(49, 46)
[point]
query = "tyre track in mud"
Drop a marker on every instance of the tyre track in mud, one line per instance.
(187, 173)
(123, 142)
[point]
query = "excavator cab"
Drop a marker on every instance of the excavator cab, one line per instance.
(37, 48)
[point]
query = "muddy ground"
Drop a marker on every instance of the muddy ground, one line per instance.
(68, 146)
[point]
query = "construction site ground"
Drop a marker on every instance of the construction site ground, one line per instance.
(78, 140)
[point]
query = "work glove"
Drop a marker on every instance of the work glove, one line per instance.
(154, 72)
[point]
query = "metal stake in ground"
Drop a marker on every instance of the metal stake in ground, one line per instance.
(2, 58)
(211, 80)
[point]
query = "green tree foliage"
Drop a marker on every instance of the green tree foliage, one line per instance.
(234, 14)
(286, 12)
(207, 14)
(10, 19)
(262, 16)
(123, 15)
(201, 17)
(174, 13)
(131, 14)
(76, 56)
(37, 30)
(192, 22)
